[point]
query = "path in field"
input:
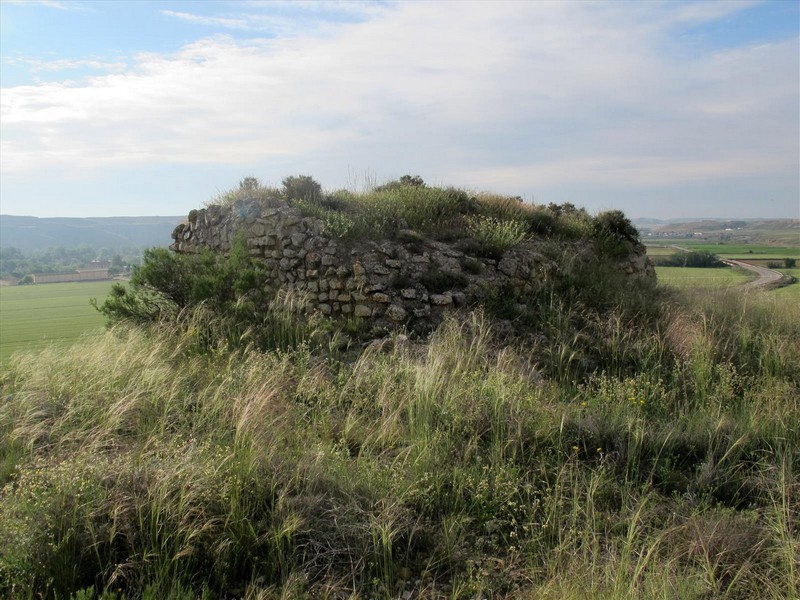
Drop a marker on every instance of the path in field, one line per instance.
(765, 276)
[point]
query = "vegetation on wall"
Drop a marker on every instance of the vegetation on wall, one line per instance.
(497, 222)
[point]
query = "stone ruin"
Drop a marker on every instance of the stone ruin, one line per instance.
(409, 280)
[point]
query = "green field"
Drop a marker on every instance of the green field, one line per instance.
(32, 316)
(789, 291)
(742, 251)
(686, 277)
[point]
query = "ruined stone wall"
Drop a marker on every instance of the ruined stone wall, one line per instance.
(409, 280)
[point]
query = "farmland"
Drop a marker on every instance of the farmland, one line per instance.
(36, 315)
(684, 277)
(738, 251)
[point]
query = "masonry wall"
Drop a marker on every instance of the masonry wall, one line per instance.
(410, 280)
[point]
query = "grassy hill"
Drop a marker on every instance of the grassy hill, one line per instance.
(613, 440)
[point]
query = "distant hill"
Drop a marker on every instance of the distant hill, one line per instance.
(31, 233)
(783, 232)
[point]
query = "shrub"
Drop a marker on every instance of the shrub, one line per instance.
(249, 188)
(790, 263)
(495, 233)
(695, 259)
(614, 233)
(614, 223)
(302, 187)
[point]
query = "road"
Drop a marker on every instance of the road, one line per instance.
(765, 276)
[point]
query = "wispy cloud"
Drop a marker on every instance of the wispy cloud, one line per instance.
(497, 95)
(240, 23)
(46, 3)
(67, 64)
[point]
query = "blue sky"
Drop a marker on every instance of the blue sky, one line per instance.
(661, 109)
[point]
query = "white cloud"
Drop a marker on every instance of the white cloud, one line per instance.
(530, 93)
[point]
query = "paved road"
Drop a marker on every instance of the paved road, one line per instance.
(765, 276)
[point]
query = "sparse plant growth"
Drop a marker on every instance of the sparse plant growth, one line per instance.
(593, 438)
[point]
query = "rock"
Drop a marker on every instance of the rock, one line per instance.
(362, 311)
(325, 309)
(381, 298)
(396, 312)
(441, 299)
(409, 293)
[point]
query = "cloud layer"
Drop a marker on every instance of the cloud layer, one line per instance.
(518, 96)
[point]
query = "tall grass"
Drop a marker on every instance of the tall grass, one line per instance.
(462, 467)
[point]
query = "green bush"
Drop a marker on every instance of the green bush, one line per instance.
(790, 263)
(302, 187)
(614, 233)
(495, 233)
(694, 258)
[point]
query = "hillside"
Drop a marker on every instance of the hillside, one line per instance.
(32, 233)
(586, 434)
(761, 231)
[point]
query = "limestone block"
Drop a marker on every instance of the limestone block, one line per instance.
(441, 299)
(396, 312)
(381, 298)
(409, 293)
(325, 309)
(508, 266)
(393, 264)
(362, 310)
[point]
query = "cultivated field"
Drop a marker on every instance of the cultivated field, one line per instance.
(738, 251)
(35, 315)
(686, 277)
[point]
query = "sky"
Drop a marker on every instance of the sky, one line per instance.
(661, 109)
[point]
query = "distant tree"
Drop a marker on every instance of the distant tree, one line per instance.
(27, 280)
(790, 263)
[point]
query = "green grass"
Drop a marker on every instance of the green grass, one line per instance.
(790, 291)
(732, 250)
(56, 313)
(685, 277)
(135, 466)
